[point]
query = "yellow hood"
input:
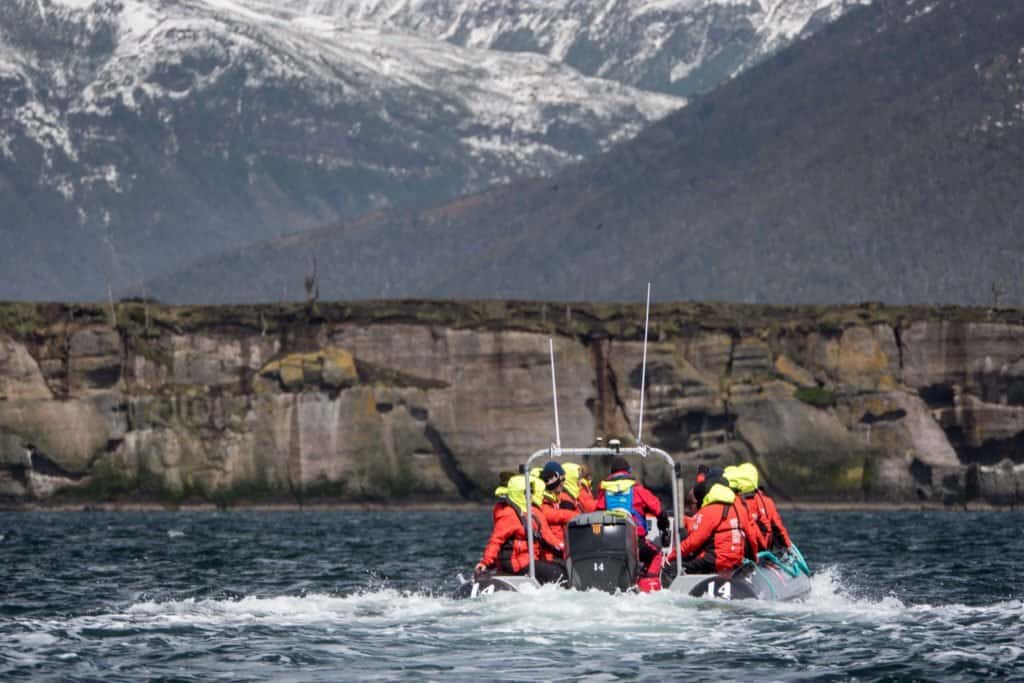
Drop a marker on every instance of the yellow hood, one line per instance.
(572, 479)
(515, 492)
(719, 493)
(742, 478)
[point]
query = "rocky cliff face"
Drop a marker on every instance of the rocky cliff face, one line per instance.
(405, 401)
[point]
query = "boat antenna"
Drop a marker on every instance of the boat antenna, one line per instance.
(554, 391)
(643, 371)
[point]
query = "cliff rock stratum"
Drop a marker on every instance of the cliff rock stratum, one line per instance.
(427, 401)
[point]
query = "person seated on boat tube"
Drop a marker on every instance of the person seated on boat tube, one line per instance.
(507, 549)
(744, 479)
(556, 509)
(754, 538)
(576, 487)
(715, 541)
(569, 484)
(621, 491)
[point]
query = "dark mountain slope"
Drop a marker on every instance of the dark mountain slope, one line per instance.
(879, 159)
(137, 136)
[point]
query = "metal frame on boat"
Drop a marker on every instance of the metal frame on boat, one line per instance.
(643, 451)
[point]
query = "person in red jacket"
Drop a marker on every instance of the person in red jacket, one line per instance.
(576, 487)
(777, 537)
(507, 549)
(564, 498)
(715, 541)
(744, 479)
(557, 510)
(754, 537)
(620, 490)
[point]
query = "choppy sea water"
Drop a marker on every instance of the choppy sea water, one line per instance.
(333, 595)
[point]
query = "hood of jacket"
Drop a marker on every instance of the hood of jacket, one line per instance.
(719, 493)
(515, 492)
(742, 478)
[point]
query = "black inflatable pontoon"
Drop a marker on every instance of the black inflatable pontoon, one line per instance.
(770, 578)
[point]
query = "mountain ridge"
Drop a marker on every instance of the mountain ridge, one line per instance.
(681, 47)
(879, 144)
(144, 135)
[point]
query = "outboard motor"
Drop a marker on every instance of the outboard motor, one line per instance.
(602, 551)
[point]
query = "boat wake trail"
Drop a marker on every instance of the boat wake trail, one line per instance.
(248, 596)
(362, 631)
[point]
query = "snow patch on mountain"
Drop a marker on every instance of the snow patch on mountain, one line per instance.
(654, 44)
(155, 132)
(163, 53)
(44, 127)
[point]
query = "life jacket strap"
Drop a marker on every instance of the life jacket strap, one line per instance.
(538, 536)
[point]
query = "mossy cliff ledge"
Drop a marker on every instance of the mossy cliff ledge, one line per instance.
(419, 401)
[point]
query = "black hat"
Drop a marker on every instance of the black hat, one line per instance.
(620, 464)
(700, 489)
(704, 472)
(553, 474)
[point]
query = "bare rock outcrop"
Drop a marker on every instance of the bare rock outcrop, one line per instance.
(401, 401)
(20, 376)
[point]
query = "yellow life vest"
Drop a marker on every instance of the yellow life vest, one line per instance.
(618, 485)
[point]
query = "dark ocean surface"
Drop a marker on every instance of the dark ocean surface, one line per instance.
(333, 595)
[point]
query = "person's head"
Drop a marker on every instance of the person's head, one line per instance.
(585, 475)
(515, 492)
(703, 488)
(620, 464)
(552, 475)
(743, 478)
(699, 490)
(571, 484)
(705, 472)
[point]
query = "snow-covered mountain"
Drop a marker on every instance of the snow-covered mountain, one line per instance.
(878, 160)
(140, 135)
(137, 135)
(674, 46)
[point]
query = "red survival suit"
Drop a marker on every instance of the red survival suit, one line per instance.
(775, 532)
(573, 497)
(558, 509)
(772, 532)
(507, 548)
(716, 539)
(578, 488)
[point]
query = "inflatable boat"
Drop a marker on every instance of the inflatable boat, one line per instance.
(602, 554)
(602, 548)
